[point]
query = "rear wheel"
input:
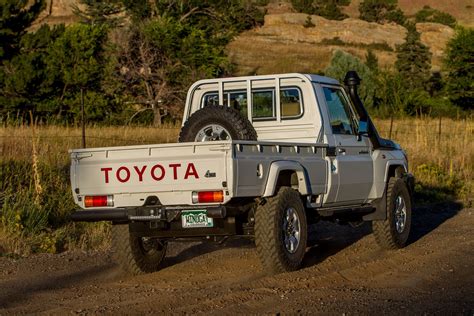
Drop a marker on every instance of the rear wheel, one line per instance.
(137, 255)
(393, 232)
(217, 123)
(281, 231)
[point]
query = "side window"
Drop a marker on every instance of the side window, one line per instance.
(339, 111)
(263, 105)
(212, 99)
(290, 102)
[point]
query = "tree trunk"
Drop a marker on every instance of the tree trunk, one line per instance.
(156, 117)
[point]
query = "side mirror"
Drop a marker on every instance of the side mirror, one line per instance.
(363, 129)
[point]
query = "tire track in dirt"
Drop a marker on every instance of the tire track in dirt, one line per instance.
(344, 272)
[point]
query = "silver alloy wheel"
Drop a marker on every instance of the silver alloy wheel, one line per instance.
(212, 132)
(291, 230)
(400, 214)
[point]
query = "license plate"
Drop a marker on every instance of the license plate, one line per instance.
(196, 218)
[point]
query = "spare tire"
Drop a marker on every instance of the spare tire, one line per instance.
(213, 123)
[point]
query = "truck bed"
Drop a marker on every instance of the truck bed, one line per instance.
(172, 172)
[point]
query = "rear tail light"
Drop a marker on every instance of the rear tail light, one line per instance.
(208, 197)
(98, 200)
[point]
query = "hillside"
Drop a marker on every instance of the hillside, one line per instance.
(283, 44)
(462, 10)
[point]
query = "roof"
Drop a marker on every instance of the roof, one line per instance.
(321, 79)
(310, 77)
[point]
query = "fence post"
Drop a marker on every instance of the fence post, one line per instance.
(391, 125)
(83, 123)
(439, 131)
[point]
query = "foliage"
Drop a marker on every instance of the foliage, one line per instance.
(328, 9)
(100, 12)
(428, 14)
(184, 43)
(413, 61)
(460, 66)
(381, 11)
(341, 63)
(16, 17)
(372, 61)
(28, 84)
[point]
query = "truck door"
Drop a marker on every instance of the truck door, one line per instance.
(353, 162)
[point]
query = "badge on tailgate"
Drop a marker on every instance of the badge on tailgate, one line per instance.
(195, 219)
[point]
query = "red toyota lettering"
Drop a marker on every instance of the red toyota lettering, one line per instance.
(191, 171)
(140, 172)
(153, 174)
(106, 173)
(127, 174)
(175, 169)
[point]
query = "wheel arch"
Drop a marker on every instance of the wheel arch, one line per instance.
(286, 173)
(395, 169)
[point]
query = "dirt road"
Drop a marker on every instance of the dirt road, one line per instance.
(344, 273)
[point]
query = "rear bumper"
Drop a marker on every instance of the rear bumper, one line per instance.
(143, 214)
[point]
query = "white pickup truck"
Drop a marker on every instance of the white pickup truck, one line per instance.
(260, 156)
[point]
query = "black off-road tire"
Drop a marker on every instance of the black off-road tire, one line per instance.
(232, 120)
(269, 234)
(130, 254)
(385, 232)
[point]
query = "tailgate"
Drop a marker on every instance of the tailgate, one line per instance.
(169, 171)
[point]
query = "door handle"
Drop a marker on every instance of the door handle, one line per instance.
(341, 151)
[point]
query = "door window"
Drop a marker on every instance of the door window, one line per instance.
(339, 111)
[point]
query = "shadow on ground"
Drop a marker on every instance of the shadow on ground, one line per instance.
(327, 238)
(16, 291)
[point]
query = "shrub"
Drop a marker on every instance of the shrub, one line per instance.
(428, 14)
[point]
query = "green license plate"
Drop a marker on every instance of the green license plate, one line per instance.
(196, 218)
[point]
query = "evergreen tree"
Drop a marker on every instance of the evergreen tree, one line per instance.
(459, 62)
(16, 16)
(341, 63)
(413, 60)
(29, 85)
(77, 56)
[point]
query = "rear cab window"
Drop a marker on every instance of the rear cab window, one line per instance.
(263, 102)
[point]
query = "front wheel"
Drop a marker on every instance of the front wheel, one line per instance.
(393, 232)
(281, 232)
(136, 255)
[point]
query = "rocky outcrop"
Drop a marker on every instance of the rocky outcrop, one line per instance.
(56, 12)
(283, 43)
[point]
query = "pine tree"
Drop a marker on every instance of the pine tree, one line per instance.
(15, 17)
(459, 62)
(413, 60)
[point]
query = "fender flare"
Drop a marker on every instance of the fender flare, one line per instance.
(278, 166)
(391, 163)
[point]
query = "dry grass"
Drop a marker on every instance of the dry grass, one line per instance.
(440, 161)
(32, 159)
